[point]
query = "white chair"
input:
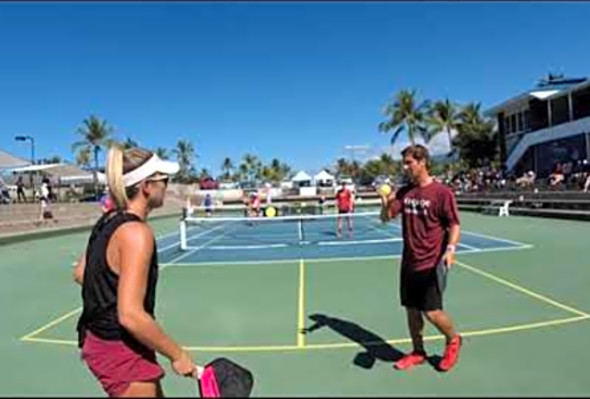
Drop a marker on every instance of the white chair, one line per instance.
(503, 210)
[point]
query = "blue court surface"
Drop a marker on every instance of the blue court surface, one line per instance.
(268, 240)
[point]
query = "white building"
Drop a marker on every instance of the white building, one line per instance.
(545, 126)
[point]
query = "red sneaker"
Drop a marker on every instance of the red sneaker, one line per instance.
(410, 360)
(451, 353)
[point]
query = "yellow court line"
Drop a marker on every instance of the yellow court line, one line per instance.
(523, 290)
(51, 324)
(343, 345)
(301, 306)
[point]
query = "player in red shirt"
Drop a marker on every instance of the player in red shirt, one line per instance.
(344, 205)
(430, 232)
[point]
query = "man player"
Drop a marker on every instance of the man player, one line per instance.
(430, 233)
(344, 205)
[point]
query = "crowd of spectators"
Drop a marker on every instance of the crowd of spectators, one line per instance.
(563, 176)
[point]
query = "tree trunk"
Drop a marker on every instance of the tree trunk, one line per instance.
(95, 172)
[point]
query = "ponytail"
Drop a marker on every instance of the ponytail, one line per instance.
(114, 172)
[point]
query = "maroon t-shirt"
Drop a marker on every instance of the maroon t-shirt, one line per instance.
(427, 213)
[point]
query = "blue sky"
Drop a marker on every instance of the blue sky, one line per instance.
(295, 81)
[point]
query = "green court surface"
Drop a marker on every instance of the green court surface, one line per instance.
(523, 311)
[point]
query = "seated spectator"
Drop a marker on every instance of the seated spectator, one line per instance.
(557, 178)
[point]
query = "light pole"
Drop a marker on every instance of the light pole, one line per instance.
(25, 138)
(354, 148)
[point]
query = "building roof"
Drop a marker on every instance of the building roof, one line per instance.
(543, 91)
(301, 176)
(10, 161)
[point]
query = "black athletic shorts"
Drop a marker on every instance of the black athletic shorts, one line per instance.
(424, 289)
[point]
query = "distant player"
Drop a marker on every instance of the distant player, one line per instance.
(255, 205)
(208, 204)
(344, 205)
(106, 202)
(246, 203)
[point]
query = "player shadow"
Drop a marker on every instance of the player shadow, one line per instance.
(375, 347)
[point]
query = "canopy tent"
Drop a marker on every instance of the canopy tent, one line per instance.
(8, 161)
(301, 179)
(63, 172)
(323, 176)
(301, 176)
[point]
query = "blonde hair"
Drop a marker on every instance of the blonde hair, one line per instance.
(120, 162)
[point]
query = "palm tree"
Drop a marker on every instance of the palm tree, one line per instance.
(443, 116)
(285, 170)
(342, 166)
(252, 165)
(185, 152)
(476, 139)
(389, 165)
(204, 173)
(242, 173)
(162, 152)
(129, 143)
(83, 157)
(96, 134)
(227, 166)
(404, 114)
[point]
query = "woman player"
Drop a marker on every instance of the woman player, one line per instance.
(117, 331)
(255, 205)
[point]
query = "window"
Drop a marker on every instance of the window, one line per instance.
(527, 120)
(521, 121)
(513, 122)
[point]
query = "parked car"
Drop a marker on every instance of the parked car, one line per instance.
(208, 183)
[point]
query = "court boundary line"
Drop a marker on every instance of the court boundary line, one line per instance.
(519, 288)
(342, 345)
(472, 233)
(301, 306)
(300, 345)
(327, 260)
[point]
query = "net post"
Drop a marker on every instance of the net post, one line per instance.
(183, 234)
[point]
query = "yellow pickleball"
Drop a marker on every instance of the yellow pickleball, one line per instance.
(385, 189)
(271, 212)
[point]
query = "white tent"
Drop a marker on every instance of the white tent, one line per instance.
(323, 178)
(301, 179)
(66, 173)
(301, 176)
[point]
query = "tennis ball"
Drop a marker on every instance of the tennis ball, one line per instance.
(385, 189)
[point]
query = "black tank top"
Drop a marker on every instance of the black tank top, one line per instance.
(99, 288)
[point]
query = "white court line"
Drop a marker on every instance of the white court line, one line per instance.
(468, 232)
(377, 241)
(469, 247)
(328, 260)
(229, 247)
(189, 239)
(219, 237)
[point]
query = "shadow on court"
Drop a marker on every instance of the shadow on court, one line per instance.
(375, 346)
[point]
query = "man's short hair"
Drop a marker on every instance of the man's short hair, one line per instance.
(418, 152)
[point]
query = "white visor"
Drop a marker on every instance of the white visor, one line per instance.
(152, 166)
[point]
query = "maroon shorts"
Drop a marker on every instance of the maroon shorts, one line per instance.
(116, 365)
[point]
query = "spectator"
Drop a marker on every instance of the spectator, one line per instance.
(20, 189)
(4, 193)
(45, 205)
